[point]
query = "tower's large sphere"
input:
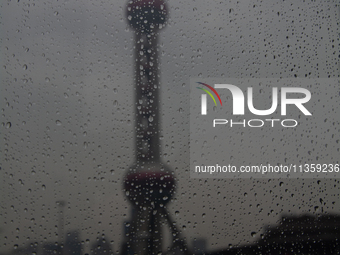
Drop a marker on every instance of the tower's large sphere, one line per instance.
(146, 15)
(147, 183)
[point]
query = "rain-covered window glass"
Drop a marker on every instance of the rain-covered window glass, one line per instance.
(169, 127)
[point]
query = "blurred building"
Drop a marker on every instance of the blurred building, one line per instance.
(73, 243)
(51, 249)
(302, 234)
(199, 246)
(101, 246)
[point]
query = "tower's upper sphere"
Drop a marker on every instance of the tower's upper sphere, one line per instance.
(147, 15)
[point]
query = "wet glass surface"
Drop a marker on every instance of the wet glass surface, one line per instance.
(69, 110)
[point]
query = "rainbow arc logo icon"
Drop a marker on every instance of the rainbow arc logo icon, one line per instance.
(204, 97)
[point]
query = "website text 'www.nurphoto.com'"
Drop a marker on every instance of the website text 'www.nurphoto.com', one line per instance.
(268, 168)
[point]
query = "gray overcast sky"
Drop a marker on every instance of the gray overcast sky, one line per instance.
(67, 112)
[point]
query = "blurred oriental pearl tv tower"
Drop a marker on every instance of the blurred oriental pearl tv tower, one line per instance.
(149, 184)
